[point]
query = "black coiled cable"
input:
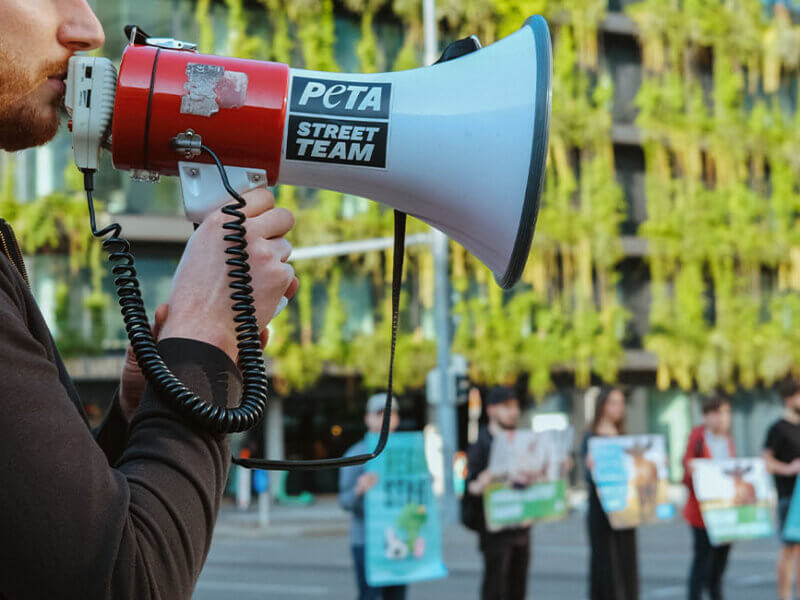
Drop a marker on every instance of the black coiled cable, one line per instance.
(208, 416)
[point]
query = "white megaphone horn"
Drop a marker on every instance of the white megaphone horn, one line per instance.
(460, 144)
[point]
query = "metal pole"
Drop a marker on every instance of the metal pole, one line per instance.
(446, 406)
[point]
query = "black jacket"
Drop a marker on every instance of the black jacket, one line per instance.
(127, 514)
(472, 512)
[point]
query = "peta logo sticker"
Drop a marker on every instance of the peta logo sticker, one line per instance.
(343, 122)
(340, 98)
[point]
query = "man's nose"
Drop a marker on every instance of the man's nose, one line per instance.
(80, 29)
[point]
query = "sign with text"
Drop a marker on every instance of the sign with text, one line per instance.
(736, 498)
(529, 478)
(401, 518)
(630, 472)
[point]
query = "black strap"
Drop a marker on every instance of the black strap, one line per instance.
(333, 463)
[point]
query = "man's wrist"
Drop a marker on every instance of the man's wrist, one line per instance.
(214, 336)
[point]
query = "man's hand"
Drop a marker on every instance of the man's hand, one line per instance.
(132, 384)
(480, 483)
(794, 467)
(365, 483)
(200, 303)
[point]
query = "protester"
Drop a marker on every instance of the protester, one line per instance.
(126, 511)
(613, 566)
(782, 459)
(712, 439)
(506, 553)
(354, 483)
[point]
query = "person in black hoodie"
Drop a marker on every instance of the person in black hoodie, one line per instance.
(506, 553)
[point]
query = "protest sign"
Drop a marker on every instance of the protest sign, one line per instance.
(736, 498)
(528, 478)
(630, 472)
(403, 533)
(791, 529)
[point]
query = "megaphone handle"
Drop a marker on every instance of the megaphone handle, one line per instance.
(213, 418)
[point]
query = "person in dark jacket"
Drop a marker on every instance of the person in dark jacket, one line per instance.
(125, 512)
(506, 553)
(614, 563)
(712, 439)
(354, 484)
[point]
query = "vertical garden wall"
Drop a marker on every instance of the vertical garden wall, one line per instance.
(720, 131)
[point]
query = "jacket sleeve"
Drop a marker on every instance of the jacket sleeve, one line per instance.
(71, 526)
(477, 461)
(691, 453)
(112, 434)
(348, 477)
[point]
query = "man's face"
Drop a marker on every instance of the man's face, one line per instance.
(505, 414)
(37, 37)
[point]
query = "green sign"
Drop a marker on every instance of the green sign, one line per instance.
(738, 523)
(528, 478)
(509, 507)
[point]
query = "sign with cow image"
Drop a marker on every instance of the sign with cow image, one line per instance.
(736, 498)
(401, 520)
(529, 478)
(630, 473)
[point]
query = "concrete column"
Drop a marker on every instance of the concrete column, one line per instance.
(273, 438)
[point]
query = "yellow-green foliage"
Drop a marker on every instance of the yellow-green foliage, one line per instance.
(722, 234)
(722, 183)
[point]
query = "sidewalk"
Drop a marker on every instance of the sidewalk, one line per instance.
(323, 517)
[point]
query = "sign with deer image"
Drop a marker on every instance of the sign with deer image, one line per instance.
(529, 478)
(630, 473)
(736, 498)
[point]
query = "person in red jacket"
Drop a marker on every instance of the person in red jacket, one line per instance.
(712, 439)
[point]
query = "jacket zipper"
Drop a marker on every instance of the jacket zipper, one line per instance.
(11, 249)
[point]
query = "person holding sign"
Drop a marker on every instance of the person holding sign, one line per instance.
(782, 459)
(613, 566)
(354, 483)
(506, 553)
(712, 439)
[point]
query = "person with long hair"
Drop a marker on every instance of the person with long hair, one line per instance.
(613, 564)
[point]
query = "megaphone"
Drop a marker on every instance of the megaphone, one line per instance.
(460, 144)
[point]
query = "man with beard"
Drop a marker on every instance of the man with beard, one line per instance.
(506, 553)
(125, 512)
(782, 459)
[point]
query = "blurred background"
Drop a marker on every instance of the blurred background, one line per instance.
(666, 257)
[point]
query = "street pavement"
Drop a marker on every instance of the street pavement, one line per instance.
(305, 553)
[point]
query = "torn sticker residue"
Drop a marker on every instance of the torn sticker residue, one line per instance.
(209, 88)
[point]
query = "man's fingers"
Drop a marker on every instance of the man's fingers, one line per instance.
(258, 201)
(276, 222)
(279, 248)
(292, 288)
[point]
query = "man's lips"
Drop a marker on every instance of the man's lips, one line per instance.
(57, 82)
